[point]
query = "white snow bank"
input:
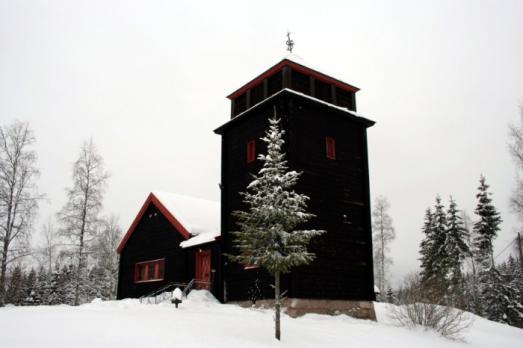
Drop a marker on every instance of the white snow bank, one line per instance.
(200, 321)
(199, 216)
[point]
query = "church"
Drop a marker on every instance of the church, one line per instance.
(176, 239)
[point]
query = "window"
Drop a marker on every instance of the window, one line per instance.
(330, 147)
(149, 271)
(251, 151)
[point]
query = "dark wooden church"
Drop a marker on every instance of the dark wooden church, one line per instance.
(326, 140)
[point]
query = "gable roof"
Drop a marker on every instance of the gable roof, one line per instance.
(197, 220)
(297, 64)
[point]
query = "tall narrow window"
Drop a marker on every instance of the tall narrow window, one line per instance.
(149, 271)
(330, 147)
(251, 151)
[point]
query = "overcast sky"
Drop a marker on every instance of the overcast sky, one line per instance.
(148, 79)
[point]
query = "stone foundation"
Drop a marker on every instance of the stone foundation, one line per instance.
(296, 307)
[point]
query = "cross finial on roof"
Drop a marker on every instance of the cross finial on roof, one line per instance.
(289, 42)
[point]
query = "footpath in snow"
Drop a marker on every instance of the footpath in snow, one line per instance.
(203, 322)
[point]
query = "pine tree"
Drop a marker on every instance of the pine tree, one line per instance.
(269, 234)
(471, 277)
(501, 298)
(106, 268)
(37, 294)
(29, 285)
(456, 250)
(391, 298)
(486, 228)
(426, 245)
(434, 254)
(15, 286)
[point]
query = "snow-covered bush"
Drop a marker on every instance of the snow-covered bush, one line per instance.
(420, 305)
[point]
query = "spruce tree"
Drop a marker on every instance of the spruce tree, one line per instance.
(426, 245)
(456, 249)
(486, 228)
(391, 298)
(501, 298)
(434, 255)
(269, 235)
(15, 286)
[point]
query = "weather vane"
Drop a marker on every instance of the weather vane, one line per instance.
(289, 42)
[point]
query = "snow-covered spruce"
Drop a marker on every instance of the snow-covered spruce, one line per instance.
(456, 250)
(434, 257)
(269, 234)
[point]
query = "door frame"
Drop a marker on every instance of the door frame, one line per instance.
(199, 272)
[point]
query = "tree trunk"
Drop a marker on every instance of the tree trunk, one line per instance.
(382, 261)
(5, 250)
(277, 306)
(3, 273)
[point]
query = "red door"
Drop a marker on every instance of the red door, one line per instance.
(203, 269)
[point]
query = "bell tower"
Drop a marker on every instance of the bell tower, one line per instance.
(326, 140)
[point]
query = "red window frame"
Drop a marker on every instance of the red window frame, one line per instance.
(143, 269)
(251, 151)
(330, 148)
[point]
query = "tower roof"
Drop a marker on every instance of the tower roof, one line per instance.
(298, 64)
(286, 91)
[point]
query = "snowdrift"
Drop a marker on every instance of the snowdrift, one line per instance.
(201, 321)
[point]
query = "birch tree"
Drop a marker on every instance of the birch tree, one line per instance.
(383, 234)
(49, 247)
(269, 235)
(18, 195)
(79, 217)
(516, 151)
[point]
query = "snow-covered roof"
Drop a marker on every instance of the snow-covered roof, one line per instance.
(196, 219)
(200, 217)
(339, 108)
(195, 214)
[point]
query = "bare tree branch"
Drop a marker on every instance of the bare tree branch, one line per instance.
(18, 195)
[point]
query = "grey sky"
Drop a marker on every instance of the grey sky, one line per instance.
(147, 80)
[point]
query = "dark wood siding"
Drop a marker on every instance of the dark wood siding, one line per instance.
(240, 104)
(257, 94)
(155, 238)
(345, 98)
(322, 91)
(338, 190)
(235, 177)
(300, 82)
(275, 83)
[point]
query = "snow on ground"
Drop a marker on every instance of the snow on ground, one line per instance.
(202, 322)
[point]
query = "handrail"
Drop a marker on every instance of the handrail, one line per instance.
(187, 287)
(163, 289)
